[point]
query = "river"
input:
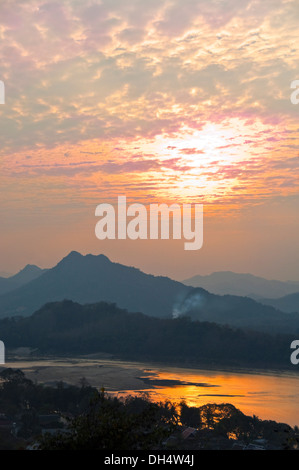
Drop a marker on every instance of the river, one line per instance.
(266, 394)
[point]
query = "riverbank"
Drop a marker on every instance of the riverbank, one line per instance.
(268, 394)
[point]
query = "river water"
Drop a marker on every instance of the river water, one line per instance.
(266, 394)
(269, 396)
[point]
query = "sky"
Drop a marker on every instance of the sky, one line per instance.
(179, 101)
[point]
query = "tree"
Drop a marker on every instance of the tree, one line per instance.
(190, 415)
(112, 424)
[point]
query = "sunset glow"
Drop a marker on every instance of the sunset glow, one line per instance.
(157, 101)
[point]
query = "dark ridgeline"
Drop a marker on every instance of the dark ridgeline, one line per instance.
(240, 312)
(70, 328)
(26, 275)
(288, 303)
(228, 282)
(90, 279)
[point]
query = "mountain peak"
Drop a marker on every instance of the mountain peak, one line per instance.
(30, 268)
(76, 257)
(27, 274)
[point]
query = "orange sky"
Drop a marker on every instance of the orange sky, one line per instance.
(161, 101)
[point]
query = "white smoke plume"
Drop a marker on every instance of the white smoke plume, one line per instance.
(189, 303)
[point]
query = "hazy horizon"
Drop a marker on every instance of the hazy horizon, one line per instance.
(50, 266)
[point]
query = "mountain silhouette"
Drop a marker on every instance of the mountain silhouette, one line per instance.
(287, 303)
(70, 328)
(236, 311)
(228, 282)
(90, 279)
(27, 274)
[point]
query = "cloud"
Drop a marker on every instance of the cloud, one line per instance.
(151, 75)
(71, 68)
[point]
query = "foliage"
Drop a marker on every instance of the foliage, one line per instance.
(70, 328)
(99, 421)
(111, 424)
(19, 394)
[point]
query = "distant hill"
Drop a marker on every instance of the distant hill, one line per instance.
(91, 279)
(69, 328)
(27, 274)
(88, 279)
(227, 282)
(288, 303)
(236, 311)
(6, 285)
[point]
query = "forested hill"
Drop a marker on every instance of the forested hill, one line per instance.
(70, 328)
(91, 279)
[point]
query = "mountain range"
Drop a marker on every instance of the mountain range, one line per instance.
(288, 303)
(90, 279)
(68, 328)
(227, 282)
(24, 276)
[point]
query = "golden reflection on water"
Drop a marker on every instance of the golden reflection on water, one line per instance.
(266, 396)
